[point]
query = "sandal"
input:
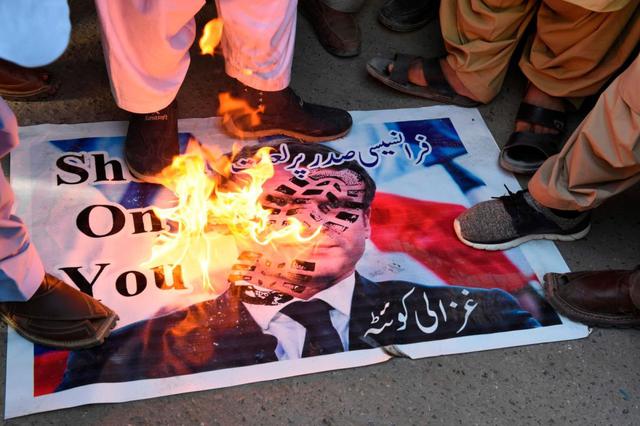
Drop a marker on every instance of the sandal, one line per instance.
(438, 89)
(525, 152)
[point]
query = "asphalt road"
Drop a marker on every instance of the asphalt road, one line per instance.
(590, 381)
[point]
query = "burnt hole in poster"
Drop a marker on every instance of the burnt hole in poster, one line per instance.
(315, 216)
(353, 205)
(335, 227)
(299, 182)
(301, 265)
(294, 287)
(333, 200)
(240, 267)
(349, 217)
(239, 277)
(276, 200)
(299, 278)
(251, 256)
(286, 190)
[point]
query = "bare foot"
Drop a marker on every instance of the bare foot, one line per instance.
(416, 76)
(537, 97)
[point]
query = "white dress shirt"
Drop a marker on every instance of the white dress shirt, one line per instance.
(290, 333)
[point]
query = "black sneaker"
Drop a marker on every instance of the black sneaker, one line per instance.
(152, 142)
(516, 218)
(284, 113)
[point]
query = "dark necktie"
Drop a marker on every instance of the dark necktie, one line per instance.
(321, 337)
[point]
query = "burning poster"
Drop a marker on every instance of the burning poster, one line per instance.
(268, 259)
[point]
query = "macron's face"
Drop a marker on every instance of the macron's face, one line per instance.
(327, 199)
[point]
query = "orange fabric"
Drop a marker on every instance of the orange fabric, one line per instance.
(573, 52)
(602, 157)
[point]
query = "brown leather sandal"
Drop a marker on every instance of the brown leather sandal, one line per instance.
(60, 316)
(438, 89)
(525, 152)
(24, 84)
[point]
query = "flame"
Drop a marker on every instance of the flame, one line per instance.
(229, 104)
(211, 36)
(213, 203)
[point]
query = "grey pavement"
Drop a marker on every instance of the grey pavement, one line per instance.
(590, 381)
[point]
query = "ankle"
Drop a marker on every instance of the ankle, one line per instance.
(566, 214)
(454, 81)
(538, 97)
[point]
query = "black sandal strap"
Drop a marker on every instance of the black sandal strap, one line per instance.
(548, 144)
(545, 117)
(401, 64)
(435, 78)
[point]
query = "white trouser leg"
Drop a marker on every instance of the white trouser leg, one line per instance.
(258, 40)
(21, 270)
(146, 48)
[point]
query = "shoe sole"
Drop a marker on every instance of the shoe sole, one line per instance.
(230, 127)
(42, 93)
(518, 241)
(513, 168)
(102, 333)
(142, 177)
(587, 318)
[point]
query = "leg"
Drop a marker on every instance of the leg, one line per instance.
(602, 157)
(21, 270)
(565, 61)
(480, 37)
(258, 41)
(146, 47)
(38, 305)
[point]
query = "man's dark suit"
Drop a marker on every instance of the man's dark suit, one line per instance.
(221, 333)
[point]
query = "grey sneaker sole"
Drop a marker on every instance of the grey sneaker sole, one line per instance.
(518, 241)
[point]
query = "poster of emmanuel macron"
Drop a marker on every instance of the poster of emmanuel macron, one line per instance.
(310, 302)
(384, 274)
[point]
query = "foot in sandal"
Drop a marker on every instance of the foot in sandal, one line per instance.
(430, 78)
(538, 134)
